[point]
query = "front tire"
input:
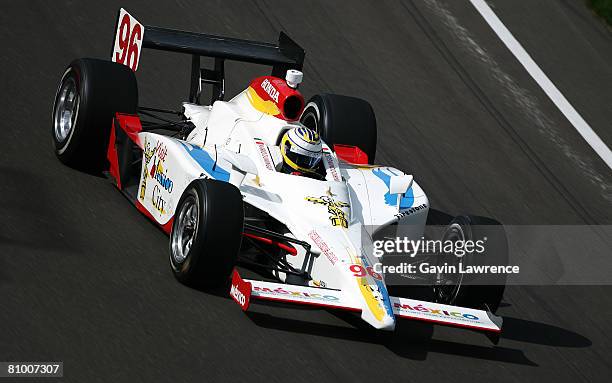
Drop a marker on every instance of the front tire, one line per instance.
(206, 233)
(91, 91)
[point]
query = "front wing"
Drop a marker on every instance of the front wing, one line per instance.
(243, 290)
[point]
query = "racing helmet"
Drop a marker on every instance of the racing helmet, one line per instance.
(301, 149)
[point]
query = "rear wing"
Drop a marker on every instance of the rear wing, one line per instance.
(131, 36)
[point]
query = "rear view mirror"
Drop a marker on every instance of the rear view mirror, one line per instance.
(400, 184)
(241, 162)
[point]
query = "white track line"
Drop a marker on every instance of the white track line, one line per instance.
(547, 86)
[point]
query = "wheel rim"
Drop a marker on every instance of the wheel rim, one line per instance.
(185, 229)
(66, 110)
(448, 285)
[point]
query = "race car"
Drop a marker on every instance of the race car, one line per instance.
(264, 181)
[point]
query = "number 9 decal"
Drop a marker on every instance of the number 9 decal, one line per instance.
(359, 271)
(128, 40)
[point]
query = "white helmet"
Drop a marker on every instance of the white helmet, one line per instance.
(301, 149)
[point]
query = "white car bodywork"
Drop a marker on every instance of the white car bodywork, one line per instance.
(234, 142)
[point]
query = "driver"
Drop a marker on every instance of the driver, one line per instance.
(302, 151)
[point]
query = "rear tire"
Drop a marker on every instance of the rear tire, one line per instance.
(91, 91)
(342, 120)
(206, 233)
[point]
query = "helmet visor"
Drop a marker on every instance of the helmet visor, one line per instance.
(302, 158)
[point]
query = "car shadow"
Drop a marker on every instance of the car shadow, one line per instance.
(412, 340)
(526, 331)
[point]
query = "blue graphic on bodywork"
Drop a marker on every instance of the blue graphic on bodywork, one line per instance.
(206, 162)
(407, 199)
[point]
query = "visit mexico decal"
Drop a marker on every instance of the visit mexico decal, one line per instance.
(155, 183)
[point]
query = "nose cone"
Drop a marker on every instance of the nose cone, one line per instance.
(385, 323)
(367, 284)
(352, 267)
(377, 310)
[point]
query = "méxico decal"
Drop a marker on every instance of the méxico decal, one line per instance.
(280, 292)
(433, 313)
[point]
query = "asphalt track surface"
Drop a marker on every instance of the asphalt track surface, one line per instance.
(84, 278)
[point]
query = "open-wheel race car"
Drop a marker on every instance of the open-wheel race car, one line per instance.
(263, 180)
